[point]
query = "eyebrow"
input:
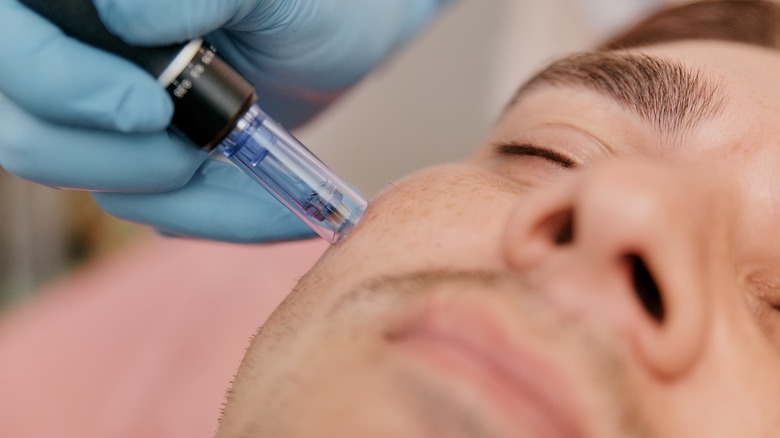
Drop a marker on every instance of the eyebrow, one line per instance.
(665, 93)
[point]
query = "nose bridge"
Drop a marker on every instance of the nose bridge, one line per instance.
(624, 244)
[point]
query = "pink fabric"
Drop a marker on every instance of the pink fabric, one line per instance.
(143, 344)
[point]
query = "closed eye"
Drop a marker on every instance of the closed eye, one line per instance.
(530, 150)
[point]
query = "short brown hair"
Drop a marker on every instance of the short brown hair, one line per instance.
(754, 22)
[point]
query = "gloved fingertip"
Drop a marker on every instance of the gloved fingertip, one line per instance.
(143, 110)
(294, 231)
(196, 211)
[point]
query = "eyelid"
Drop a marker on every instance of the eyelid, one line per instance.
(528, 149)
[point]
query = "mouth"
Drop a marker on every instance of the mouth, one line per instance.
(463, 345)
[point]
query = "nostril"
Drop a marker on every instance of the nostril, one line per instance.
(645, 287)
(561, 227)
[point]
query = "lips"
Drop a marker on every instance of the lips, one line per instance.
(465, 345)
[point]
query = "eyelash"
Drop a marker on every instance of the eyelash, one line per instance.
(530, 150)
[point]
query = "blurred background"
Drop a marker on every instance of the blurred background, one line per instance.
(433, 102)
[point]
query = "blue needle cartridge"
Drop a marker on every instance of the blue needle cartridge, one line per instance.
(273, 157)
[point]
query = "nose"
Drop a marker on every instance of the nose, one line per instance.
(631, 245)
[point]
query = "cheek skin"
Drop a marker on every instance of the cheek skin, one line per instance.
(449, 217)
(455, 210)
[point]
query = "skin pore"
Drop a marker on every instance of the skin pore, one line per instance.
(602, 266)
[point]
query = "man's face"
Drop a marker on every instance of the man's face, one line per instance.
(607, 264)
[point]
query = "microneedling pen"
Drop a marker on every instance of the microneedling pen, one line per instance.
(216, 109)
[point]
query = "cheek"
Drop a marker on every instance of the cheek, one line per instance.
(447, 217)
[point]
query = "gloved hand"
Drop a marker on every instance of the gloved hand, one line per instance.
(72, 116)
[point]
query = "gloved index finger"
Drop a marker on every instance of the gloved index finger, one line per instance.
(160, 22)
(68, 157)
(57, 78)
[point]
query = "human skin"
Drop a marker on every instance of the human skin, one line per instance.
(503, 296)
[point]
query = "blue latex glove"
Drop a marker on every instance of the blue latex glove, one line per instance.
(72, 116)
